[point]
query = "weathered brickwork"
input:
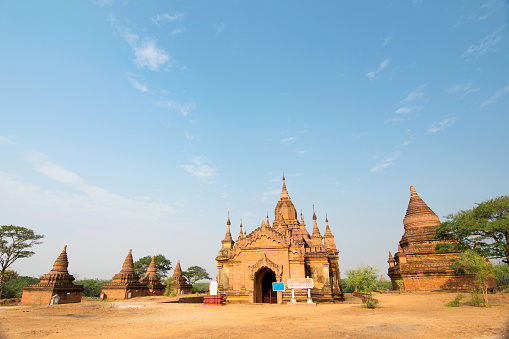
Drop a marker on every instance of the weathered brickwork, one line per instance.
(180, 283)
(416, 262)
(57, 282)
(247, 267)
(152, 281)
(126, 283)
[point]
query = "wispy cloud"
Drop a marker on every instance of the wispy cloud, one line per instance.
(178, 30)
(5, 140)
(485, 45)
(270, 195)
(132, 79)
(476, 15)
(387, 40)
(300, 152)
(190, 137)
(403, 113)
(146, 53)
(437, 127)
(462, 89)
(103, 3)
(289, 140)
(184, 109)
(387, 161)
(220, 27)
(417, 93)
(383, 65)
(496, 96)
(162, 18)
(198, 168)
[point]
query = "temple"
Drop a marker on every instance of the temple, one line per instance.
(415, 262)
(57, 282)
(247, 267)
(180, 283)
(152, 281)
(126, 284)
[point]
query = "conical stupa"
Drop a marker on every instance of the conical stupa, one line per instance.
(57, 282)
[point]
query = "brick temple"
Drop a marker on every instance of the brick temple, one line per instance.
(57, 282)
(126, 284)
(180, 283)
(152, 281)
(247, 267)
(416, 262)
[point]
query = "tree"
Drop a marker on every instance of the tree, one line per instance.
(195, 273)
(14, 287)
(15, 242)
(484, 229)
(363, 278)
(483, 271)
(163, 265)
(92, 287)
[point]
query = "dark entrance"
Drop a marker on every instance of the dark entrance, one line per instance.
(269, 296)
(263, 286)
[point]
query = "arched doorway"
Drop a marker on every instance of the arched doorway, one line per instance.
(263, 286)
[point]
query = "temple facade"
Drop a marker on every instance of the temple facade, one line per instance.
(152, 281)
(57, 282)
(415, 262)
(247, 267)
(180, 283)
(126, 284)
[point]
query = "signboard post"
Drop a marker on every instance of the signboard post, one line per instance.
(306, 283)
(279, 287)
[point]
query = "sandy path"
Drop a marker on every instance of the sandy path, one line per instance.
(408, 315)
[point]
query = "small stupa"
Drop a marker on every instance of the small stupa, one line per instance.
(415, 262)
(152, 281)
(126, 284)
(180, 283)
(57, 285)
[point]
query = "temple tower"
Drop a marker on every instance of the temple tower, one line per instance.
(126, 284)
(57, 282)
(152, 281)
(416, 262)
(180, 283)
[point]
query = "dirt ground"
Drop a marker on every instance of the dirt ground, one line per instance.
(406, 315)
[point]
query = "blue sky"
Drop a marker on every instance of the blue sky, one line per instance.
(140, 124)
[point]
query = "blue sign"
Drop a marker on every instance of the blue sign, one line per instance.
(278, 286)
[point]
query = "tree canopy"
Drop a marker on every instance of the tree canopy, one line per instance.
(163, 265)
(15, 243)
(195, 273)
(484, 228)
(363, 278)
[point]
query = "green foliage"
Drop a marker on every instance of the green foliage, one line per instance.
(169, 291)
(14, 287)
(163, 265)
(473, 263)
(383, 286)
(484, 229)
(15, 243)
(195, 273)
(92, 287)
(401, 285)
(363, 278)
(456, 301)
(475, 299)
(200, 287)
(502, 275)
(371, 303)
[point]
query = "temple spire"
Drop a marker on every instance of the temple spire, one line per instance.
(61, 264)
(128, 265)
(177, 272)
(316, 237)
(241, 234)
(284, 192)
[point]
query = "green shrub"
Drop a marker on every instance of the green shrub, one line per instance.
(456, 301)
(475, 299)
(92, 287)
(200, 287)
(383, 286)
(371, 303)
(502, 275)
(14, 287)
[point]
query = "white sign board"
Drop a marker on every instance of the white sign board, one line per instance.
(213, 288)
(300, 283)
